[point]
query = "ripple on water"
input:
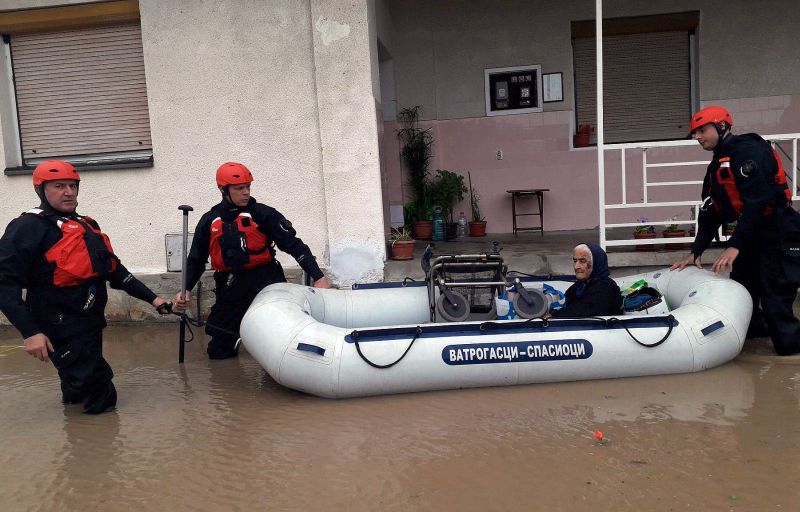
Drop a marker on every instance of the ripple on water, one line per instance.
(223, 435)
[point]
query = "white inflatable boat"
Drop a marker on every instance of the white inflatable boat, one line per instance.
(380, 340)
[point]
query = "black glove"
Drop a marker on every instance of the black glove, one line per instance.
(165, 308)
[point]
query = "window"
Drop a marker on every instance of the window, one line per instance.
(81, 95)
(647, 76)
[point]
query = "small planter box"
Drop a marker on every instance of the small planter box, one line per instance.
(644, 236)
(674, 234)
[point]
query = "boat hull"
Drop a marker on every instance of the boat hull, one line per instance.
(323, 341)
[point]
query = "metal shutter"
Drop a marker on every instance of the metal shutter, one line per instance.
(647, 85)
(81, 92)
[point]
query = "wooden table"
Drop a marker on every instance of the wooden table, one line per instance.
(536, 192)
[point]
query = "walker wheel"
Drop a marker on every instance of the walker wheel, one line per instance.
(534, 309)
(456, 311)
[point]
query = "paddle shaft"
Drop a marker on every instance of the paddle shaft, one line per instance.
(184, 255)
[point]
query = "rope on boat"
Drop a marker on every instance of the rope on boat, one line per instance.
(670, 325)
(609, 322)
(197, 323)
(355, 335)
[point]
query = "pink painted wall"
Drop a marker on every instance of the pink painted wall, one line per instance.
(537, 153)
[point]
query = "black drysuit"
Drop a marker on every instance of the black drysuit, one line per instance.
(72, 317)
(743, 184)
(236, 289)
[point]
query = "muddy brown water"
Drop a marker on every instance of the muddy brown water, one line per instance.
(224, 436)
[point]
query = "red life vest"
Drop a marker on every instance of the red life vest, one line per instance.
(83, 251)
(238, 244)
(725, 177)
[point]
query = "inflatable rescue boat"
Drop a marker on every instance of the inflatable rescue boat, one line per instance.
(417, 336)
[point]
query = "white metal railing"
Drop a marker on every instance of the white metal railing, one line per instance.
(693, 202)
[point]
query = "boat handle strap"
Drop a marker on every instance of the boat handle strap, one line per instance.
(670, 324)
(355, 335)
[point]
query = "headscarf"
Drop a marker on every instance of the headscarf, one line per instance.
(600, 269)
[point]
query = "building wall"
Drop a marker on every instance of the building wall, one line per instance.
(746, 61)
(263, 83)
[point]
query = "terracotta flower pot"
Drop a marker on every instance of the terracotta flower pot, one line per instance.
(644, 236)
(674, 234)
(422, 229)
(403, 249)
(580, 140)
(477, 228)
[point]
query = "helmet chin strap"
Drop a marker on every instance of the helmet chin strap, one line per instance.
(722, 132)
(226, 194)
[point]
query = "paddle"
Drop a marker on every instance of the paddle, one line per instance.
(184, 255)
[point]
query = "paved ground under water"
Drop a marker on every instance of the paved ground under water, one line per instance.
(224, 436)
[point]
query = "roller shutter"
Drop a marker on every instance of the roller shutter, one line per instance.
(647, 85)
(81, 92)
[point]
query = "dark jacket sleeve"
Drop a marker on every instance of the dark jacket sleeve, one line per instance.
(599, 298)
(18, 251)
(753, 166)
(198, 252)
(122, 279)
(708, 222)
(280, 230)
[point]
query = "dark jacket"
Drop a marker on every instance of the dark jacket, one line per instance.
(270, 222)
(749, 166)
(597, 296)
(56, 311)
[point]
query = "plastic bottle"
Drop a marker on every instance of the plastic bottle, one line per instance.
(438, 224)
(461, 232)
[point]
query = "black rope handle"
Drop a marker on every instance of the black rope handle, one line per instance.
(545, 323)
(355, 335)
(670, 320)
(670, 326)
(197, 323)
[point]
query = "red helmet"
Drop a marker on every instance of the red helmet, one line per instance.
(233, 173)
(52, 170)
(713, 114)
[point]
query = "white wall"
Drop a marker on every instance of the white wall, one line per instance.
(264, 83)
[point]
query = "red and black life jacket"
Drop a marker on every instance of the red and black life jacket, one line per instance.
(83, 251)
(726, 180)
(238, 244)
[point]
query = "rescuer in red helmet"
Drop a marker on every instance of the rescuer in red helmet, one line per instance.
(239, 235)
(63, 260)
(746, 183)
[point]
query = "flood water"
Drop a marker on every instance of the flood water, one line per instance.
(222, 435)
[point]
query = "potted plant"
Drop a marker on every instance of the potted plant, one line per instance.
(402, 243)
(415, 152)
(477, 226)
(673, 231)
(446, 190)
(582, 136)
(645, 231)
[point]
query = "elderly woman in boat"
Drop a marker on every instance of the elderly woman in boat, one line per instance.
(595, 293)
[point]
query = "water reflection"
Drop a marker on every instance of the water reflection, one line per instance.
(223, 436)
